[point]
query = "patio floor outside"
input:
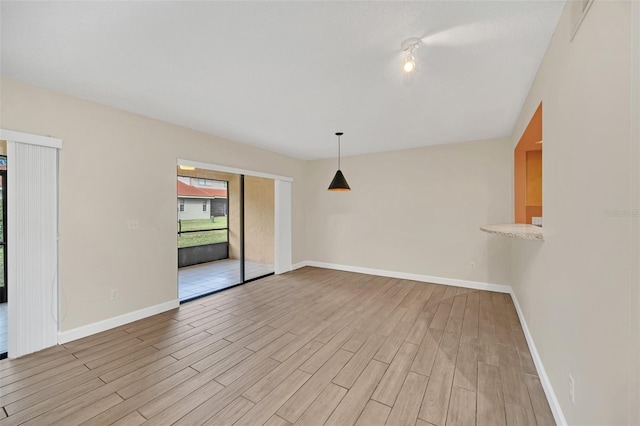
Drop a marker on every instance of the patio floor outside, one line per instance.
(204, 278)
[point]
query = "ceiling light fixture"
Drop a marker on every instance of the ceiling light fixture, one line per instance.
(339, 183)
(186, 167)
(408, 46)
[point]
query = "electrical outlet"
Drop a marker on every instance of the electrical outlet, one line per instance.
(572, 389)
(472, 265)
(115, 294)
(133, 224)
(536, 221)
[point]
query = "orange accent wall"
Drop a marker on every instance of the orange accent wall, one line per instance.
(520, 186)
(534, 178)
(532, 211)
(527, 160)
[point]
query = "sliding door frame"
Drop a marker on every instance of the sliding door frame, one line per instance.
(3, 212)
(242, 247)
(282, 213)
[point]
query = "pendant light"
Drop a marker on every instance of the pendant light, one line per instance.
(339, 183)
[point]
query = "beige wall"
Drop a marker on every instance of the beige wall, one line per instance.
(415, 211)
(114, 166)
(259, 220)
(578, 289)
(233, 197)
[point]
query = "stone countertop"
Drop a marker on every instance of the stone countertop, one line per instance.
(515, 230)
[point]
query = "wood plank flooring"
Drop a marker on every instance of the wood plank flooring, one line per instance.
(310, 347)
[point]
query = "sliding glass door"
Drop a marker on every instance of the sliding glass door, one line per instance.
(225, 230)
(3, 237)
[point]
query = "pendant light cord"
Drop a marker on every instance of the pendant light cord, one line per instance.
(338, 152)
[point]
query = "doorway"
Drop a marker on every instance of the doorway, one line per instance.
(3, 230)
(4, 324)
(226, 230)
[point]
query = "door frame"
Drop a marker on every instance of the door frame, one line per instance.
(3, 289)
(282, 213)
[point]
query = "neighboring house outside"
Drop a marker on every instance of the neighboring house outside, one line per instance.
(203, 183)
(200, 202)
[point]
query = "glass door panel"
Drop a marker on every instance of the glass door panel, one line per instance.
(3, 235)
(259, 227)
(208, 233)
(226, 228)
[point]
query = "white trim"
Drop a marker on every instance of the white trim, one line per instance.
(13, 136)
(477, 285)
(542, 374)
(226, 169)
(100, 326)
(299, 265)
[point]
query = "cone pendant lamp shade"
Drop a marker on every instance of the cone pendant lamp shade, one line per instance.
(339, 183)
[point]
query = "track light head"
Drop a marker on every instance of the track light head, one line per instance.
(408, 46)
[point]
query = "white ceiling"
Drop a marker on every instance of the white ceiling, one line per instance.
(285, 76)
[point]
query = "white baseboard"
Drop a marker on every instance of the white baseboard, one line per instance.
(298, 265)
(100, 326)
(476, 285)
(542, 374)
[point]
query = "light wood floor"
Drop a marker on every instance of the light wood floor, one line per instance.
(310, 347)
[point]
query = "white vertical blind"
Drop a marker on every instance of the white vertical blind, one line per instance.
(32, 247)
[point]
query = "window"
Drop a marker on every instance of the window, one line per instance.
(181, 205)
(204, 206)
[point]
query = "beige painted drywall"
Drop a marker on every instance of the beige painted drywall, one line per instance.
(259, 220)
(579, 289)
(416, 211)
(114, 166)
